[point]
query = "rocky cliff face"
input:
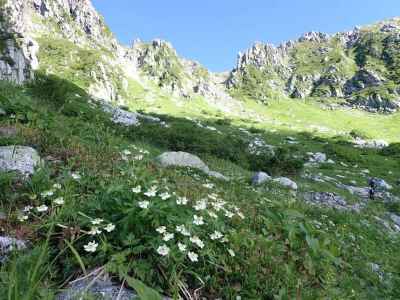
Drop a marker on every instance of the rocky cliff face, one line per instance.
(76, 45)
(70, 39)
(360, 66)
(17, 50)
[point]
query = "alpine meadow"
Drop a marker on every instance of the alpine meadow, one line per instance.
(135, 173)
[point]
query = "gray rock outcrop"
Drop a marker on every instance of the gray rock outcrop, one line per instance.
(96, 287)
(21, 159)
(260, 178)
(286, 182)
(184, 159)
(331, 200)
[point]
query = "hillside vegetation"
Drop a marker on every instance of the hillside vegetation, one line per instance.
(100, 212)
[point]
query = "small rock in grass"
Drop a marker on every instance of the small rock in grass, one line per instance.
(286, 182)
(8, 244)
(217, 175)
(98, 287)
(318, 157)
(379, 183)
(260, 178)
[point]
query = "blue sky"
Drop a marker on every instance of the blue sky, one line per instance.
(214, 31)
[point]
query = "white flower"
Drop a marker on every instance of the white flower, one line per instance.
(218, 205)
(110, 227)
(181, 201)
(240, 215)
(195, 240)
(228, 214)
(76, 176)
(151, 192)
(216, 235)
(163, 250)
(224, 240)
(47, 193)
(137, 189)
(57, 186)
(198, 220)
(97, 221)
(168, 236)
(208, 186)
(28, 208)
(213, 197)
(182, 229)
(94, 231)
(161, 229)
(182, 247)
(144, 204)
(59, 201)
(212, 215)
(22, 218)
(231, 252)
(165, 196)
(138, 157)
(193, 256)
(201, 205)
(91, 247)
(126, 152)
(42, 208)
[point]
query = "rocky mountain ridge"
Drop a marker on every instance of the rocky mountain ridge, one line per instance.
(359, 68)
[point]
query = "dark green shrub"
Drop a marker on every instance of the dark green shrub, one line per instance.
(223, 122)
(283, 162)
(391, 150)
(344, 152)
(356, 133)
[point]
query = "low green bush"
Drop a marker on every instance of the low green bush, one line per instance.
(391, 150)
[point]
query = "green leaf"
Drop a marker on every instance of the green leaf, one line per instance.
(144, 292)
(77, 256)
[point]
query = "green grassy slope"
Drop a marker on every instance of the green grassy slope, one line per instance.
(280, 247)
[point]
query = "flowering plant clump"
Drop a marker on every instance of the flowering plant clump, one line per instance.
(143, 223)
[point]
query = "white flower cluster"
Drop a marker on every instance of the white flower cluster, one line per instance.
(98, 225)
(137, 154)
(52, 195)
(182, 237)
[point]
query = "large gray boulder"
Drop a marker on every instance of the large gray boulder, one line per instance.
(286, 182)
(260, 178)
(184, 159)
(181, 159)
(21, 159)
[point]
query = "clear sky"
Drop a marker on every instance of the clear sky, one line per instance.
(214, 31)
